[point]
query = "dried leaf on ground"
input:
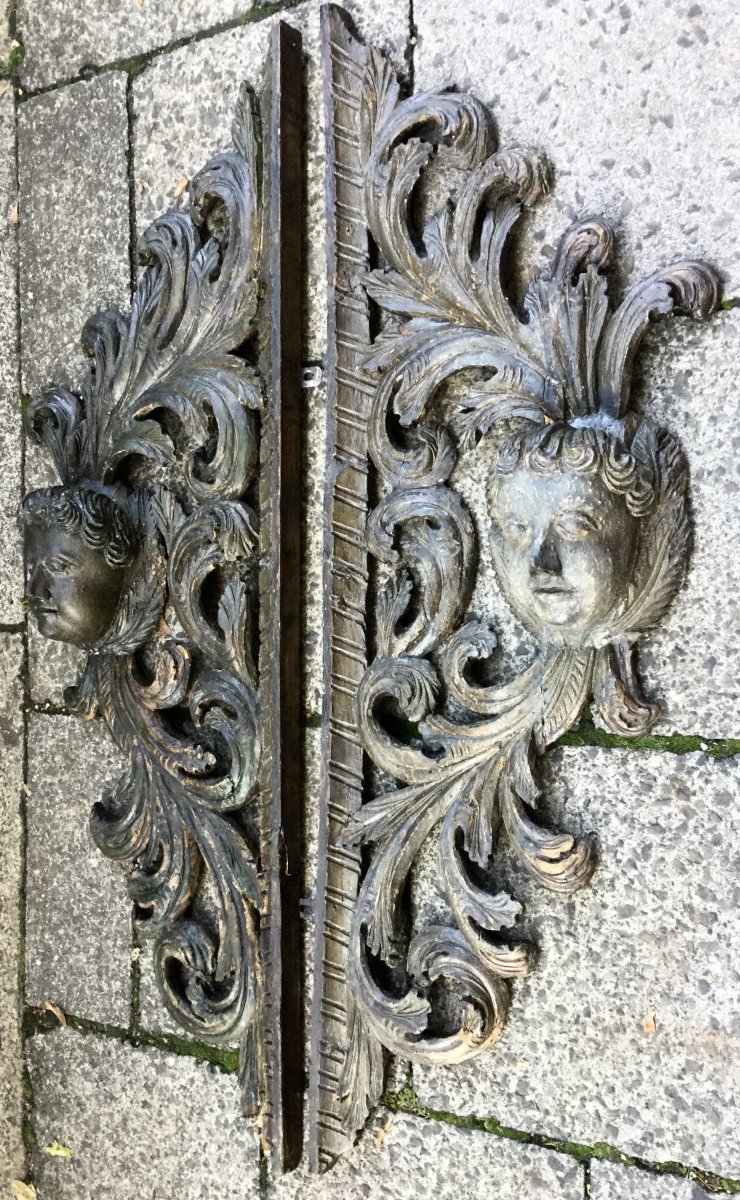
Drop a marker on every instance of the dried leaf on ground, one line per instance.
(13, 214)
(180, 186)
(383, 1133)
(56, 1010)
(23, 1191)
(58, 1150)
(648, 1024)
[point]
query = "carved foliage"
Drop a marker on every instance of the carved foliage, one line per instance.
(552, 383)
(166, 426)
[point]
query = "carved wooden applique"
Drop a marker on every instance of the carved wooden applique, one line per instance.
(170, 553)
(588, 528)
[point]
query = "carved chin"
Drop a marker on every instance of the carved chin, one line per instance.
(558, 616)
(557, 607)
(51, 624)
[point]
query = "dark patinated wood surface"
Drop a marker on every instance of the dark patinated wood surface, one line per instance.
(280, 558)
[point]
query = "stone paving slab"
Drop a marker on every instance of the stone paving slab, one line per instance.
(52, 667)
(403, 1157)
(78, 932)
(74, 231)
(621, 100)
(6, 37)
(62, 41)
(74, 259)
(11, 564)
(628, 1030)
(183, 117)
(633, 103)
(612, 1181)
(138, 1122)
(12, 1155)
(692, 663)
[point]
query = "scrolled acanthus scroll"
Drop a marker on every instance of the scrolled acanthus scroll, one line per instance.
(590, 535)
(146, 556)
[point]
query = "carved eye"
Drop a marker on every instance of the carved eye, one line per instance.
(58, 566)
(577, 524)
(514, 529)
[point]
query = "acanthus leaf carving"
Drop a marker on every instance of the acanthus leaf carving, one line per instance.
(589, 533)
(148, 556)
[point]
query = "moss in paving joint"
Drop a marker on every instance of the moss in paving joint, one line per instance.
(37, 1022)
(10, 66)
(136, 63)
(407, 1101)
(29, 1103)
(674, 743)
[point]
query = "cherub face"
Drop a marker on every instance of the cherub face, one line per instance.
(563, 546)
(73, 591)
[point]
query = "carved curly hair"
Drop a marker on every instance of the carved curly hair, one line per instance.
(584, 449)
(101, 523)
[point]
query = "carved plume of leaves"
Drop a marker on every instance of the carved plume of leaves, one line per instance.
(170, 358)
(166, 422)
(463, 755)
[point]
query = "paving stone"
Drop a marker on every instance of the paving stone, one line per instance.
(139, 1122)
(632, 103)
(78, 933)
(624, 123)
(74, 259)
(692, 662)
(6, 37)
(11, 564)
(402, 1157)
(182, 119)
(74, 244)
(651, 942)
(61, 42)
(612, 1181)
(12, 1154)
(52, 667)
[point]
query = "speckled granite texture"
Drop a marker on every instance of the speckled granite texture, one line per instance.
(649, 942)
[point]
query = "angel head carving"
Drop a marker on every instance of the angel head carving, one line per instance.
(145, 555)
(570, 505)
(79, 546)
(587, 501)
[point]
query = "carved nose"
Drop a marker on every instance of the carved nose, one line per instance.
(545, 558)
(38, 583)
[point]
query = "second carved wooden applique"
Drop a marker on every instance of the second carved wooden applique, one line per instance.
(166, 553)
(585, 521)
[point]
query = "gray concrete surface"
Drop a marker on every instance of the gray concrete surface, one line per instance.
(628, 1030)
(12, 1154)
(78, 918)
(612, 1181)
(401, 1157)
(136, 1122)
